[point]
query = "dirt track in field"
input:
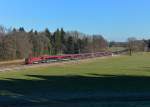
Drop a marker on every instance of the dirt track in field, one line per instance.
(19, 64)
(10, 63)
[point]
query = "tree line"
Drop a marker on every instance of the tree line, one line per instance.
(133, 45)
(19, 43)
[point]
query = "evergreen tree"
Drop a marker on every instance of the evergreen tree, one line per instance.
(36, 32)
(49, 36)
(21, 29)
(58, 44)
(63, 40)
(70, 45)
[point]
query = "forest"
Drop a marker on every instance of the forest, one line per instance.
(17, 43)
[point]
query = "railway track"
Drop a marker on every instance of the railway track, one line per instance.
(48, 60)
(21, 66)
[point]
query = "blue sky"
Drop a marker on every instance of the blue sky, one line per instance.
(115, 19)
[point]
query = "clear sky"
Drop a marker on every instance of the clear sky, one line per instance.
(115, 19)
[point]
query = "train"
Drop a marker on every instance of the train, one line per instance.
(65, 57)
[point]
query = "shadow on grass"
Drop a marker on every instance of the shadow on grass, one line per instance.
(65, 89)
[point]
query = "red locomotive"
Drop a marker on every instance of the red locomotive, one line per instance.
(57, 58)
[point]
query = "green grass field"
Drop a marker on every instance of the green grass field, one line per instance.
(89, 84)
(114, 49)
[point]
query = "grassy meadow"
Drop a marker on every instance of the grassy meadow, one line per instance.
(86, 84)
